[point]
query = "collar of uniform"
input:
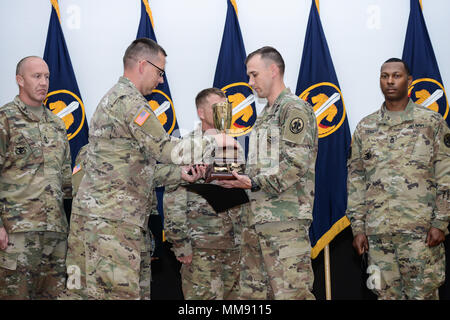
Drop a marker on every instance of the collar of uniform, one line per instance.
(30, 115)
(124, 80)
(198, 128)
(405, 115)
(273, 108)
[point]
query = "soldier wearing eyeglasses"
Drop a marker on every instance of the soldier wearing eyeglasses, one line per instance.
(109, 237)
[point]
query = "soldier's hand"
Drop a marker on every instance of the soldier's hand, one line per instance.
(192, 173)
(3, 239)
(185, 260)
(242, 182)
(434, 237)
(360, 243)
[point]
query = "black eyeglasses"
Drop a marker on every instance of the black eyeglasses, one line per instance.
(161, 71)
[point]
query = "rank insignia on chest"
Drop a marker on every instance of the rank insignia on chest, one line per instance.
(142, 117)
(20, 150)
(367, 155)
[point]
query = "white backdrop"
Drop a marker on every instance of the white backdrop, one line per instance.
(361, 34)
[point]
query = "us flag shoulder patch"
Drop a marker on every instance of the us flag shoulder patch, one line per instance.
(142, 117)
(76, 169)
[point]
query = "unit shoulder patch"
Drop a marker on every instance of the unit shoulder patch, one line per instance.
(294, 126)
(447, 140)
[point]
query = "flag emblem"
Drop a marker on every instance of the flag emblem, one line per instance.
(164, 110)
(430, 94)
(328, 105)
(142, 117)
(76, 169)
(242, 99)
(70, 108)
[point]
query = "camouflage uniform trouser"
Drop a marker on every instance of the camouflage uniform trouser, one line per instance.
(276, 261)
(107, 259)
(33, 266)
(408, 268)
(212, 275)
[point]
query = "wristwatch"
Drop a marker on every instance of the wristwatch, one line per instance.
(255, 187)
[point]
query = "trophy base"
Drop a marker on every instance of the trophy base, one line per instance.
(223, 172)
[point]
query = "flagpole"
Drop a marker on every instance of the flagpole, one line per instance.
(327, 272)
(327, 248)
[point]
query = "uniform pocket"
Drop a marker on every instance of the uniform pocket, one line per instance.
(8, 260)
(10, 256)
(423, 147)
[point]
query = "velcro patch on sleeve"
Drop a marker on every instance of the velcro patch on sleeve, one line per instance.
(76, 169)
(447, 140)
(142, 116)
(294, 126)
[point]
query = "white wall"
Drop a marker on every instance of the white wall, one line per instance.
(361, 35)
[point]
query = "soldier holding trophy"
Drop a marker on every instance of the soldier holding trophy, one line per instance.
(275, 251)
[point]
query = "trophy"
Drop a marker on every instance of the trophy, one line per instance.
(226, 159)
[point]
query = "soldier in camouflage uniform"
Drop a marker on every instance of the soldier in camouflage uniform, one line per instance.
(206, 242)
(109, 222)
(78, 169)
(276, 250)
(34, 180)
(163, 173)
(398, 191)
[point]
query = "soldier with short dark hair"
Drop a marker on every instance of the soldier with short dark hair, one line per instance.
(398, 191)
(280, 168)
(35, 178)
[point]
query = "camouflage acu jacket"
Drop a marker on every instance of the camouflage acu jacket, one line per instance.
(35, 170)
(78, 169)
(399, 172)
(190, 221)
(164, 174)
(281, 159)
(125, 142)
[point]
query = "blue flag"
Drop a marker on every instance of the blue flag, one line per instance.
(160, 99)
(318, 85)
(64, 97)
(231, 77)
(161, 103)
(427, 88)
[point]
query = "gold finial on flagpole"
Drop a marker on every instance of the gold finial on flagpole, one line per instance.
(56, 6)
(233, 2)
(149, 12)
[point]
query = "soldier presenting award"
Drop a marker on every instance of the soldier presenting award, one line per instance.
(108, 242)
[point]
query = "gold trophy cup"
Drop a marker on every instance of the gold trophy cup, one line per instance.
(226, 159)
